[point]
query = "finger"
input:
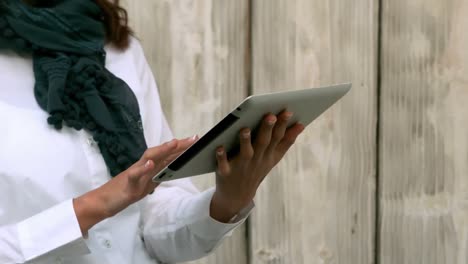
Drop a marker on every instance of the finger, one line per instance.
(279, 130)
(136, 173)
(160, 157)
(246, 149)
(173, 153)
(171, 158)
(182, 146)
(264, 135)
(159, 153)
(141, 175)
(186, 143)
(224, 168)
(289, 139)
(146, 177)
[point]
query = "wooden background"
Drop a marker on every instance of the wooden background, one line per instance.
(382, 177)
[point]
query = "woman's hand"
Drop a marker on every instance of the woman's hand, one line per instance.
(237, 180)
(129, 186)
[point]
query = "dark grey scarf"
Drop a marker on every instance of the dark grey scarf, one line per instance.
(66, 41)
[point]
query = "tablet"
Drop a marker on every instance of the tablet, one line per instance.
(200, 158)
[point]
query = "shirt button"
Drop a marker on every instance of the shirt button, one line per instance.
(91, 141)
(107, 243)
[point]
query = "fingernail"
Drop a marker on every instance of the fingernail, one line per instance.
(271, 121)
(288, 115)
(147, 164)
(195, 137)
(246, 134)
(220, 152)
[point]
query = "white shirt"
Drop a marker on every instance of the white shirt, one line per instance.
(42, 170)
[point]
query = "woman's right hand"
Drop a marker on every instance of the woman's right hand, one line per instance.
(128, 187)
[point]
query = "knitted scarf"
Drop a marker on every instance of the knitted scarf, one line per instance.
(66, 42)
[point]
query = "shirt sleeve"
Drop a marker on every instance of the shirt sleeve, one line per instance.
(30, 241)
(176, 221)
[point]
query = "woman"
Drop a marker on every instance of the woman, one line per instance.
(82, 135)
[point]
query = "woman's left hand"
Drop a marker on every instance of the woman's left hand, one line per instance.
(237, 180)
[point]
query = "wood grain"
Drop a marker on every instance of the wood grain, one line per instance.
(424, 128)
(197, 50)
(318, 206)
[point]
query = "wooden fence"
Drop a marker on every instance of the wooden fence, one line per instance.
(382, 177)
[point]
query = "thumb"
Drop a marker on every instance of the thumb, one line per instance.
(136, 173)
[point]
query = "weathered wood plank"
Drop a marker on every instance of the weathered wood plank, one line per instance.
(424, 128)
(318, 206)
(198, 53)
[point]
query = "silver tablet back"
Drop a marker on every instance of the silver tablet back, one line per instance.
(200, 158)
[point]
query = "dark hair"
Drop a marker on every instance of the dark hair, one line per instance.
(115, 19)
